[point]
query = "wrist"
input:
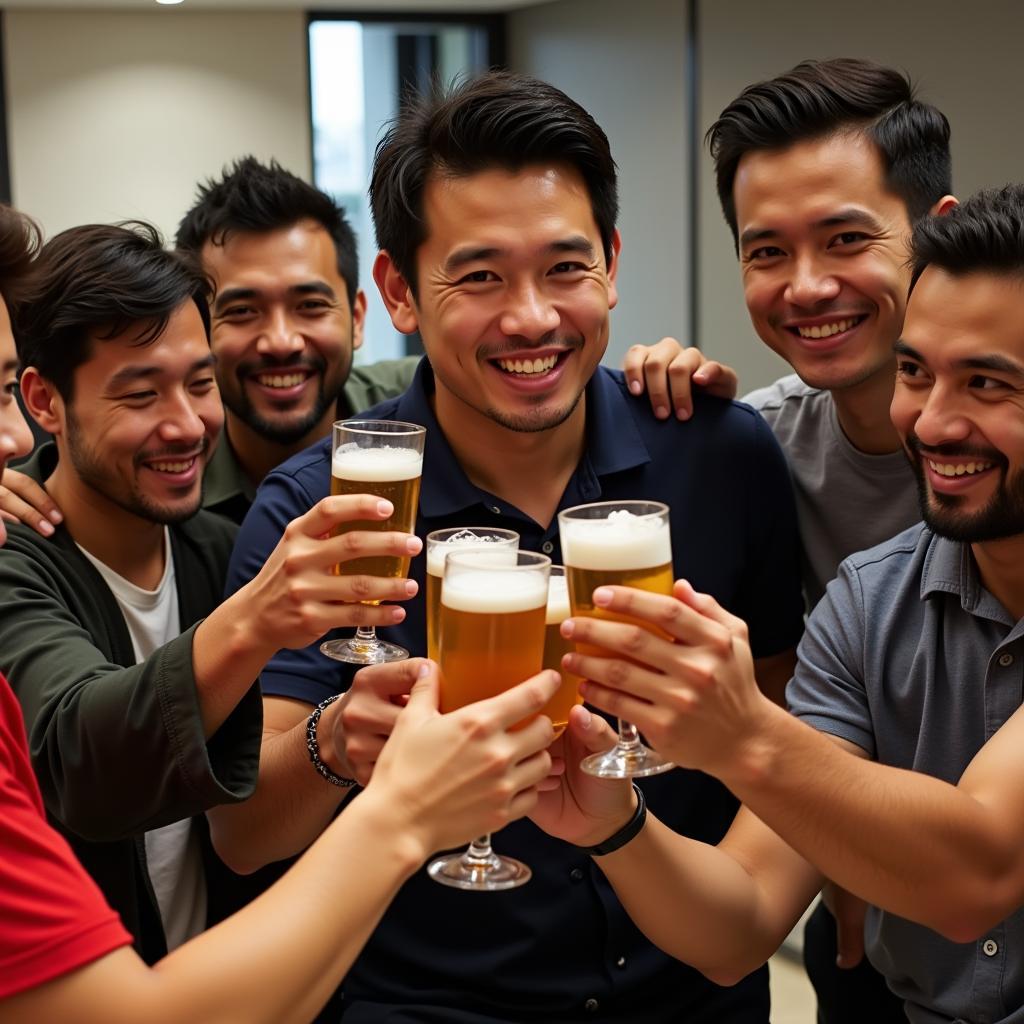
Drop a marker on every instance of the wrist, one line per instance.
(626, 828)
(385, 816)
(320, 733)
(753, 760)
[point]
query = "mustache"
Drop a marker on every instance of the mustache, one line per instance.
(175, 452)
(948, 452)
(552, 339)
(247, 367)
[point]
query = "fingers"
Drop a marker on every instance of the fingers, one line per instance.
(590, 731)
(337, 509)
(709, 608)
(849, 912)
(22, 500)
(347, 547)
(518, 703)
(647, 366)
(717, 379)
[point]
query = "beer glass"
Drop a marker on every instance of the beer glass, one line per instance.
(555, 645)
(501, 544)
(382, 457)
(626, 543)
(492, 629)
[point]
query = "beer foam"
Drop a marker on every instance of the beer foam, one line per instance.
(495, 592)
(376, 465)
(558, 601)
(622, 541)
(502, 552)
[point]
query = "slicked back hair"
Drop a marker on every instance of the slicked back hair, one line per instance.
(261, 198)
(98, 281)
(818, 99)
(983, 235)
(493, 120)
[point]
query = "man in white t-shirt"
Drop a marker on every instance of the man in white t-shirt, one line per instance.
(136, 683)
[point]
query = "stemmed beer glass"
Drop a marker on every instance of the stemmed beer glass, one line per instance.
(382, 457)
(626, 543)
(492, 637)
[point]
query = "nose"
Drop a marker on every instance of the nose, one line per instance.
(810, 284)
(15, 436)
(279, 339)
(529, 314)
(181, 422)
(941, 420)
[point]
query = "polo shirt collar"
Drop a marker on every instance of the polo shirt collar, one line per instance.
(613, 443)
(949, 568)
(223, 478)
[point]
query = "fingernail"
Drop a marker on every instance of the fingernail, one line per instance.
(683, 414)
(586, 719)
(700, 377)
(384, 507)
(660, 411)
(423, 670)
(397, 614)
(56, 517)
(635, 387)
(411, 587)
(413, 545)
(602, 596)
(46, 527)
(568, 628)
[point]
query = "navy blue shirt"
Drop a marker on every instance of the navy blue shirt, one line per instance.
(562, 948)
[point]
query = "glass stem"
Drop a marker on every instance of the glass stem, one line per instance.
(628, 734)
(365, 638)
(480, 849)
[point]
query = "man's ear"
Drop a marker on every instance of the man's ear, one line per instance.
(944, 205)
(613, 270)
(358, 319)
(42, 400)
(397, 295)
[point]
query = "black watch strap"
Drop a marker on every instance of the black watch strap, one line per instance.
(628, 831)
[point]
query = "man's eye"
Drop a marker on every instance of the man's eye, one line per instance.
(138, 396)
(202, 384)
(314, 305)
(478, 277)
(764, 252)
(567, 267)
(906, 369)
(11, 388)
(982, 383)
(235, 312)
(849, 238)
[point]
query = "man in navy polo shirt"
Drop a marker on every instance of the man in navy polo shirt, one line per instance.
(495, 209)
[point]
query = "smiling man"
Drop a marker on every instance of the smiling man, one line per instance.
(137, 689)
(495, 208)
(899, 772)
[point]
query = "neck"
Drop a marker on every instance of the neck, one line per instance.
(999, 563)
(863, 412)
(125, 542)
(258, 456)
(528, 470)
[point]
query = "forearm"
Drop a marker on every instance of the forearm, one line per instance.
(291, 806)
(901, 840)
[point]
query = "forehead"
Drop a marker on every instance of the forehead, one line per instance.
(303, 249)
(810, 180)
(8, 352)
(506, 208)
(953, 318)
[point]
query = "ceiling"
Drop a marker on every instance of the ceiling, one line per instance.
(405, 6)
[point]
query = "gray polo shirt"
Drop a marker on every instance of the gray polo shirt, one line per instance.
(909, 657)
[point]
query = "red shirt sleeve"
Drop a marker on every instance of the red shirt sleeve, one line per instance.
(53, 918)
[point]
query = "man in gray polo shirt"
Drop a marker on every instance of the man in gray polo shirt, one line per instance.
(899, 774)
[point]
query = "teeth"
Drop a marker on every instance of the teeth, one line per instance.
(826, 330)
(171, 467)
(959, 468)
(280, 380)
(528, 366)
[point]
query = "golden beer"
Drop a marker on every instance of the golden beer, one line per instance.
(502, 544)
(392, 473)
(493, 628)
(555, 645)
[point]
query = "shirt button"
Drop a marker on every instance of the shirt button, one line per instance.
(620, 963)
(1006, 660)
(496, 510)
(547, 547)
(990, 947)
(591, 1006)
(576, 875)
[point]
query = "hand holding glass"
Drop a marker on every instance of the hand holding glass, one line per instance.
(492, 638)
(627, 543)
(385, 458)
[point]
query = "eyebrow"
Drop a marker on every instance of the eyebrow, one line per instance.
(853, 215)
(225, 298)
(998, 363)
(11, 366)
(131, 374)
(578, 244)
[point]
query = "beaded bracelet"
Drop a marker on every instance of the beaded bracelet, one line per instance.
(628, 831)
(314, 748)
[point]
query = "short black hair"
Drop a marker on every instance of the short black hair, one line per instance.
(20, 240)
(819, 98)
(96, 282)
(265, 197)
(983, 235)
(495, 119)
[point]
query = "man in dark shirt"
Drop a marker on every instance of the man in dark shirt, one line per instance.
(499, 245)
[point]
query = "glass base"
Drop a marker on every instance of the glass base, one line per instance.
(360, 652)
(634, 761)
(479, 874)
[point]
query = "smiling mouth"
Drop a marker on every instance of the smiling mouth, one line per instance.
(529, 367)
(173, 466)
(958, 468)
(280, 380)
(827, 330)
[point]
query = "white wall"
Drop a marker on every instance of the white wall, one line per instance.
(964, 57)
(625, 64)
(118, 115)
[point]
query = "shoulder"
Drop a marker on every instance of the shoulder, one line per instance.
(788, 391)
(208, 530)
(393, 374)
(887, 568)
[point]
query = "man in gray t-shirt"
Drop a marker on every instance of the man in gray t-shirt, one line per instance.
(899, 772)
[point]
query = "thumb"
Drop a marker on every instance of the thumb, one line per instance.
(425, 695)
(589, 731)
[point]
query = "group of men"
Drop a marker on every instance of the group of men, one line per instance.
(495, 210)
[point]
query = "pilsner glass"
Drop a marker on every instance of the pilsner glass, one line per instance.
(626, 543)
(555, 645)
(382, 457)
(502, 544)
(492, 625)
